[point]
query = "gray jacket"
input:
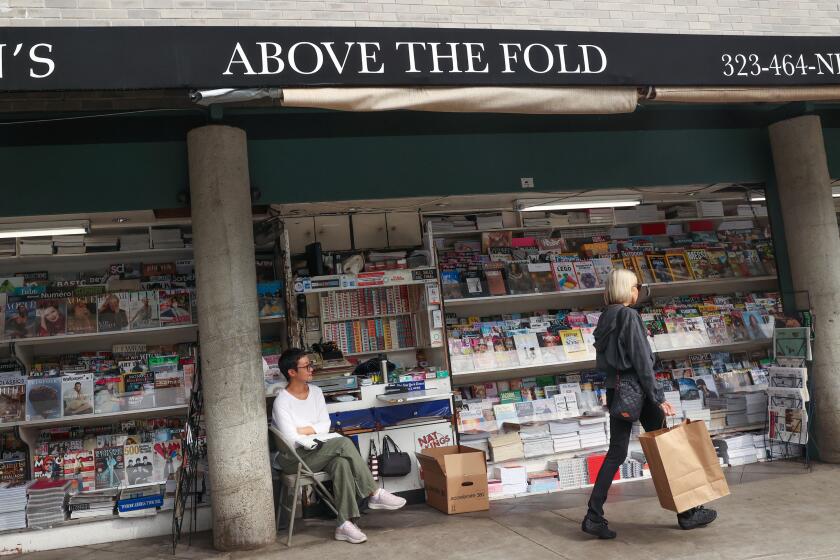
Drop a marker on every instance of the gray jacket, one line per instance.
(621, 346)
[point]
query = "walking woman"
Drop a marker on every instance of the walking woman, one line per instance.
(622, 349)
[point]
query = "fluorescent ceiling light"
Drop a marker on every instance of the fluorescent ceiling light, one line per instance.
(835, 193)
(43, 229)
(544, 205)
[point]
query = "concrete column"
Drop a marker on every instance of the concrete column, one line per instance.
(813, 244)
(234, 394)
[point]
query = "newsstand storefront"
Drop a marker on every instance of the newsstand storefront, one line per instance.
(171, 163)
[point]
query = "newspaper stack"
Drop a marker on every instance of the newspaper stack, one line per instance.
(69, 244)
(167, 238)
(593, 432)
(47, 502)
(93, 504)
(538, 447)
(489, 221)
(601, 216)
(736, 409)
(565, 435)
(571, 473)
(36, 246)
(7, 247)
(101, 243)
(710, 208)
(141, 501)
(450, 223)
(738, 449)
(717, 419)
(134, 242)
(631, 468)
(756, 407)
(12, 505)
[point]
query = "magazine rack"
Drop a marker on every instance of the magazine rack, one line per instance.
(194, 450)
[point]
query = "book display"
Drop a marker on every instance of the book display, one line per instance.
(522, 303)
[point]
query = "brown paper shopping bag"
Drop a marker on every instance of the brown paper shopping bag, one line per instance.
(685, 468)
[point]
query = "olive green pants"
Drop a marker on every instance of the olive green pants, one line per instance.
(350, 474)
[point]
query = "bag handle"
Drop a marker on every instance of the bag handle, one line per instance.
(387, 444)
(373, 452)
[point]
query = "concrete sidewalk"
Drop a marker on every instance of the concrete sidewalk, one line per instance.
(776, 511)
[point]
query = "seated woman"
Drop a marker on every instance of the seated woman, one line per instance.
(301, 412)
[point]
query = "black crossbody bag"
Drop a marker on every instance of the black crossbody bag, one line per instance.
(628, 398)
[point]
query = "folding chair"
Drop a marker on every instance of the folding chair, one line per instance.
(291, 484)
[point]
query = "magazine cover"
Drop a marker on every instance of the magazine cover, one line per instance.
(767, 256)
(107, 392)
(21, 319)
(81, 315)
(640, 266)
(495, 239)
(603, 267)
(12, 397)
(564, 275)
(167, 460)
(528, 349)
(450, 282)
(43, 398)
(738, 328)
(719, 263)
(737, 264)
(494, 273)
(585, 272)
(8, 285)
(110, 467)
(659, 268)
(707, 387)
(169, 388)
(77, 393)
(688, 389)
(270, 299)
(678, 263)
(51, 315)
(500, 254)
(541, 277)
(757, 325)
(112, 312)
(175, 307)
(716, 330)
(143, 310)
(519, 280)
(753, 262)
(474, 284)
(574, 344)
(139, 465)
(139, 390)
(551, 348)
(698, 260)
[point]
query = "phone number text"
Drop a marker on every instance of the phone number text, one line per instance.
(744, 65)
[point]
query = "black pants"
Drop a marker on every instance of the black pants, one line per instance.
(652, 418)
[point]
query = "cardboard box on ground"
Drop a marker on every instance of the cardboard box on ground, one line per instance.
(455, 478)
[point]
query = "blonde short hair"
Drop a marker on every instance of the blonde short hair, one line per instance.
(619, 288)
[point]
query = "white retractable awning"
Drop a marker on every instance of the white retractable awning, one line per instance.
(744, 94)
(520, 100)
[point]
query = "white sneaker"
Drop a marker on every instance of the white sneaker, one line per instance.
(348, 532)
(385, 500)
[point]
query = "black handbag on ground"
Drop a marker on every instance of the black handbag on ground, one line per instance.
(628, 398)
(392, 461)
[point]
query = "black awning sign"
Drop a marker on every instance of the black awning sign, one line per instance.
(205, 57)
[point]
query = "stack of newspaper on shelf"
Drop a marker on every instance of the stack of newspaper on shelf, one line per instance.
(140, 501)
(8, 248)
(69, 244)
(564, 434)
(571, 473)
(536, 439)
(787, 405)
(93, 504)
(102, 243)
(167, 238)
(12, 505)
(489, 221)
(47, 505)
(593, 431)
(738, 449)
(445, 224)
(35, 246)
(134, 241)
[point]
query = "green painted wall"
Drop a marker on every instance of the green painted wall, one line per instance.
(91, 177)
(140, 175)
(322, 169)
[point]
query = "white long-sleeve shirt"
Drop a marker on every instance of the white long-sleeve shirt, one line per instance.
(290, 413)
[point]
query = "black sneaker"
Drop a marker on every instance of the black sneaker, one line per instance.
(597, 528)
(696, 517)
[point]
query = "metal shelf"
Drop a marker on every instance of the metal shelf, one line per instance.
(683, 287)
(110, 256)
(160, 335)
(91, 419)
(495, 374)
